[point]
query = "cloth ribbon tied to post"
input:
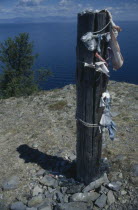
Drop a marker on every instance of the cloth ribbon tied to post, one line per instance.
(92, 41)
(106, 119)
(99, 66)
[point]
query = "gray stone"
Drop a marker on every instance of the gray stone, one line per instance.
(74, 189)
(59, 197)
(74, 206)
(134, 180)
(71, 156)
(134, 170)
(64, 189)
(115, 186)
(105, 161)
(11, 183)
(64, 182)
(101, 201)
(97, 183)
(66, 199)
(23, 198)
(120, 175)
(123, 192)
(32, 208)
(1, 196)
(124, 201)
(35, 145)
(37, 190)
(18, 206)
(2, 205)
(95, 208)
(35, 200)
(55, 197)
(45, 207)
(46, 193)
(104, 190)
(49, 181)
(85, 197)
(120, 158)
(50, 195)
(47, 201)
(69, 105)
(110, 198)
(50, 189)
(41, 172)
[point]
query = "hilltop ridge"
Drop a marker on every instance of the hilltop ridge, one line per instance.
(46, 122)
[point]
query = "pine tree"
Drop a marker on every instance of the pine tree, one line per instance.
(16, 56)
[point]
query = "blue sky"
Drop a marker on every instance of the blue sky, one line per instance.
(121, 9)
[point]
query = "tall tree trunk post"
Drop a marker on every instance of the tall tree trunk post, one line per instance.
(90, 86)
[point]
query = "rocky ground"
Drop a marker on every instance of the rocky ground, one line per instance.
(37, 153)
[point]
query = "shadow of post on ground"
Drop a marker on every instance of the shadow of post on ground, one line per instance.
(53, 164)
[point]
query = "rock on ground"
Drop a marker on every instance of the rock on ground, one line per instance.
(110, 198)
(48, 181)
(35, 200)
(134, 170)
(115, 185)
(37, 190)
(97, 183)
(101, 201)
(18, 206)
(85, 197)
(74, 206)
(11, 183)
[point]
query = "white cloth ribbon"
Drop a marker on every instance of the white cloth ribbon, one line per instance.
(100, 66)
(105, 95)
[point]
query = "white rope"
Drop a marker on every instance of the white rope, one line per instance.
(89, 125)
(110, 21)
(102, 28)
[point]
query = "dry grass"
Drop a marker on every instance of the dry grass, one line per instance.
(58, 105)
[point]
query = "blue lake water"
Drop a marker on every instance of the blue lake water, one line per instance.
(56, 45)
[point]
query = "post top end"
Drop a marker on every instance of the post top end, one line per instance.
(91, 11)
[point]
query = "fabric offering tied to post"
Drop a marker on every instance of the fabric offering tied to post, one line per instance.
(92, 40)
(117, 59)
(101, 67)
(105, 99)
(106, 119)
(93, 43)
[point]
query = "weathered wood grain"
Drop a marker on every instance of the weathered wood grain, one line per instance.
(90, 86)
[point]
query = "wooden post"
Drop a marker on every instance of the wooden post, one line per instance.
(90, 86)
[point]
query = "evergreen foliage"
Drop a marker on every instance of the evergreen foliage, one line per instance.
(18, 78)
